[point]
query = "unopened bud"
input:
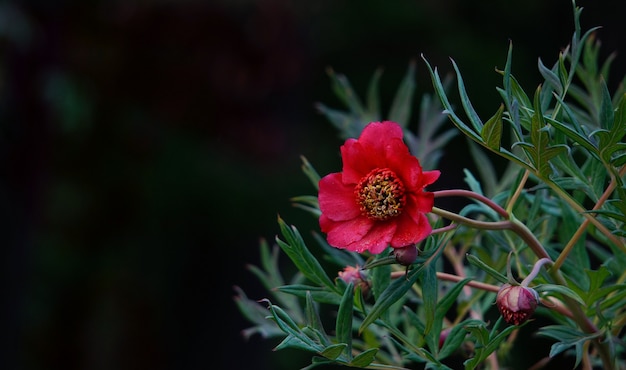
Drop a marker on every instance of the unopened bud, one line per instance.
(516, 303)
(355, 276)
(406, 255)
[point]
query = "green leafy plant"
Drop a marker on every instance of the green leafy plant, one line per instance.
(554, 218)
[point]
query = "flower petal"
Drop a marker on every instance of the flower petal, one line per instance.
(346, 234)
(410, 230)
(336, 199)
(376, 135)
(377, 238)
(428, 177)
(357, 161)
(422, 201)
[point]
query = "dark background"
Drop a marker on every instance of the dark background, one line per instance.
(148, 146)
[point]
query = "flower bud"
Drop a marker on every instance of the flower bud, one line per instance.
(356, 277)
(516, 303)
(405, 255)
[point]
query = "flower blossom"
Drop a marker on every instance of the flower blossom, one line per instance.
(378, 200)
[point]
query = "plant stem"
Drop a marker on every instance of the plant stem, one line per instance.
(518, 191)
(470, 194)
(580, 209)
(535, 271)
(511, 224)
(583, 226)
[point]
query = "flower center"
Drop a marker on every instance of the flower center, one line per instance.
(380, 194)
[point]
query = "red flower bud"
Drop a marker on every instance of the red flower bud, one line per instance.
(516, 303)
(405, 255)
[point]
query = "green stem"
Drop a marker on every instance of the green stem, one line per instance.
(518, 191)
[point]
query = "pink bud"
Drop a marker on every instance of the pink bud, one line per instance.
(355, 276)
(516, 303)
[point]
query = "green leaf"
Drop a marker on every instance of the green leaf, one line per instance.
(429, 297)
(396, 290)
(300, 255)
(364, 358)
(400, 111)
(344, 91)
(310, 172)
(488, 269)
(550, 77)
(538, 150)
(373, 99)
(492, 130)
(465, 101)
(344, 319)
(333, 351)
(560, 289)
(567, 338)
(256, 314)
(609, 138)
(442, 309)
(449, 110)
(318, 294)
(295, 337)
(606, 113)
(455, 338)
(313, 319)
(343, 121)
(381, 277)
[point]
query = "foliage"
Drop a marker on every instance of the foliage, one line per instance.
(556, 215)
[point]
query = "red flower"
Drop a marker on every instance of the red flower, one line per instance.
(379, 199)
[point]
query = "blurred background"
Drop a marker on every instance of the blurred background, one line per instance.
(147, 146)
